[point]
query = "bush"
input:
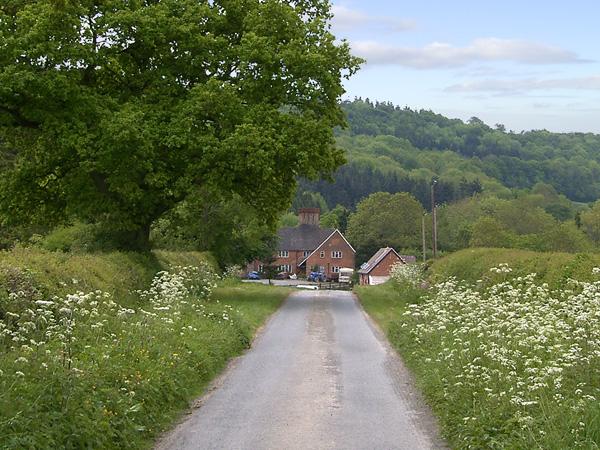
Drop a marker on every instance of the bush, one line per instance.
(411, 274)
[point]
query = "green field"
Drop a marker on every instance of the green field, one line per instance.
(88, 362)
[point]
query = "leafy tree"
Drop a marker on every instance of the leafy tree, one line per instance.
(519, 218)
(229, 228)
(385, 220)
(309, 199)
(489, 232)
(336, 218)
(455, 223)
(119, 110)
(590, 222)
(289, 219)
(566, 237)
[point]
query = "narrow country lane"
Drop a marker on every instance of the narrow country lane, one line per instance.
(318, 377)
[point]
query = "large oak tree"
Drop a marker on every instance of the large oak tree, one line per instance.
(118, 109)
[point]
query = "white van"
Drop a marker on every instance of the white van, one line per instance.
(345, 275)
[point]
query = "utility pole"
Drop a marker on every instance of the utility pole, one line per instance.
(423, 235)
(433, 218)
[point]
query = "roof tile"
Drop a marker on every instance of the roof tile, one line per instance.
(303, 237)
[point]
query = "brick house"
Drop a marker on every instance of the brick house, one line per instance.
(377, 269)
(308, 246)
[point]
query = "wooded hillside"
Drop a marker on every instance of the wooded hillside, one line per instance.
(394, 149)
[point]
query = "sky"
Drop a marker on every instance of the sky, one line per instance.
(526, 64)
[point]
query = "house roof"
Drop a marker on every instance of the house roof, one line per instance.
(325, 240)
(303, 237)
(377, 258)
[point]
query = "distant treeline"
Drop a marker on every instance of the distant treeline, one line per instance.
(355, 181)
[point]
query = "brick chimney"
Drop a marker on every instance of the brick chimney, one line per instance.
(309, 216)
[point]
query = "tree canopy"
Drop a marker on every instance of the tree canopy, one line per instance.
(114, 111)
(385, 220)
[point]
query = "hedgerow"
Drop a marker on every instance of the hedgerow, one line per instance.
(87, 370)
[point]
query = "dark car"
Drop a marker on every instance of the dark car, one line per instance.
(282, 276)
(254, 275)
(316, 276)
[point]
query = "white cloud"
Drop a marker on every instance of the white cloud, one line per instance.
(345, 19)
(442, 55)
(527, 84)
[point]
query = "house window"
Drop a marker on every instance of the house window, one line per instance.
(322, 255)
(336, 254)
(261, 268)
(306, 253)
(285, 268)
(283, 254)
(335, 269)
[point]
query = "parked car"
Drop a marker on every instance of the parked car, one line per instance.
(293, 276)
(282, 276)
(254, 275)
(317, 276)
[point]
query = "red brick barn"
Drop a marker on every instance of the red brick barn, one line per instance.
(377, 269)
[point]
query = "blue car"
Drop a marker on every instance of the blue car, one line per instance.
(316, 276)
(254, 275)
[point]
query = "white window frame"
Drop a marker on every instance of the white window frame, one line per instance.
(335, 269)
(336, 254)
(285, 268)
(306, 253)
(283, 254)
(322, 254)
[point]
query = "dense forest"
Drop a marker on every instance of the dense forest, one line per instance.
(396, 149)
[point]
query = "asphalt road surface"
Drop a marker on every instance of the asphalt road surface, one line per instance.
(319, 376)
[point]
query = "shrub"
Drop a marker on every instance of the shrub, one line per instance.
(407, 274)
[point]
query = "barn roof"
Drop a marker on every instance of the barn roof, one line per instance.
(377, 258)
(303, 237)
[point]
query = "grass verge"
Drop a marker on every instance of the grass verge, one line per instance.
(107, 367)
(504, 363)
